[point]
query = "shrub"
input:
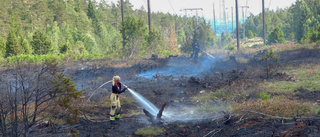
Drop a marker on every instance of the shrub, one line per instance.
(276, 36)
(230, 47)
(166, 53)
(250, 34)
(271, 62)
(264, 96)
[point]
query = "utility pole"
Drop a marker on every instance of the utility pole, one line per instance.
(149, 16)
(244, 27)
(191, 9)
(237, 22)
(264, 23)
(225, 16)
(121, 1)
(214, 19)
(232, 22)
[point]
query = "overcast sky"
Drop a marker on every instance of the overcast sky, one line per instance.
(255, 6)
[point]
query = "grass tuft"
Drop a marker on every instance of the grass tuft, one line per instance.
(149, 131)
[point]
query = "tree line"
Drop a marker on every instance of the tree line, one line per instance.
(299, 23)
(86, 27)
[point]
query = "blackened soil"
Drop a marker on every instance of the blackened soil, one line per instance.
(179, 89)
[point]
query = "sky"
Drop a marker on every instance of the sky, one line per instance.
(174, 6)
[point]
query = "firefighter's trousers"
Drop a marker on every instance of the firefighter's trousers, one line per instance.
(115, 106)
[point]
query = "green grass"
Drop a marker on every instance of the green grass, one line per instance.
(207, 103)
(149, 131)
(33, 58)
(307, 78)
(217, 95)
(280, 86)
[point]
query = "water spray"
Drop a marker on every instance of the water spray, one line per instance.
(207, 53)
(144, 102)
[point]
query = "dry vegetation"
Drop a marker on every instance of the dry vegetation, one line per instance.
(278, 106)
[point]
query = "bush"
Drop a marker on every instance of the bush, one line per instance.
(250, 34)
(166, 53)
(230, 47)
(264, 96)
(276, 36)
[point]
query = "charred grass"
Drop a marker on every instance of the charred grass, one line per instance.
(243, 94)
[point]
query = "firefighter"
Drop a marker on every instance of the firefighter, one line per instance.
(115, 100)
(196, 49)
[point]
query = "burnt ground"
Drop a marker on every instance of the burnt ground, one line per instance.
(177, 80)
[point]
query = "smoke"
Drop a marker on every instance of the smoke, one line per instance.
(182, 67)
(183, 112)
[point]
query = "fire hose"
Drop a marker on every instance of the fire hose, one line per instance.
(84, 114)
(206, 53)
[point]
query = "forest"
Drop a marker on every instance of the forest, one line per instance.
(299, 23)
(85, 28)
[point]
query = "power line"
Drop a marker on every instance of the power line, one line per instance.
(172, 7)
(269, 4)
(144, 1)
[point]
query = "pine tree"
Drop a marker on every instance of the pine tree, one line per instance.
(250, 34)
(91, 13)
(13, 47)
(133, 33)
(25, 46)
(276, 36)
(40, 44)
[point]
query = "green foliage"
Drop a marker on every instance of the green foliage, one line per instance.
(276, 36)
(166, 53)
(313, 35)
(133, 34)
(95, 27)
(230, 47)
(13, 45)
(25, 46)
(297, 21)
(270, 62)
(66, 92)
(250, 34)
(34, 58)
(91, 10)
(155, 42)
(264, 96)
(64, 48)
(40, 44)
(2, 47)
